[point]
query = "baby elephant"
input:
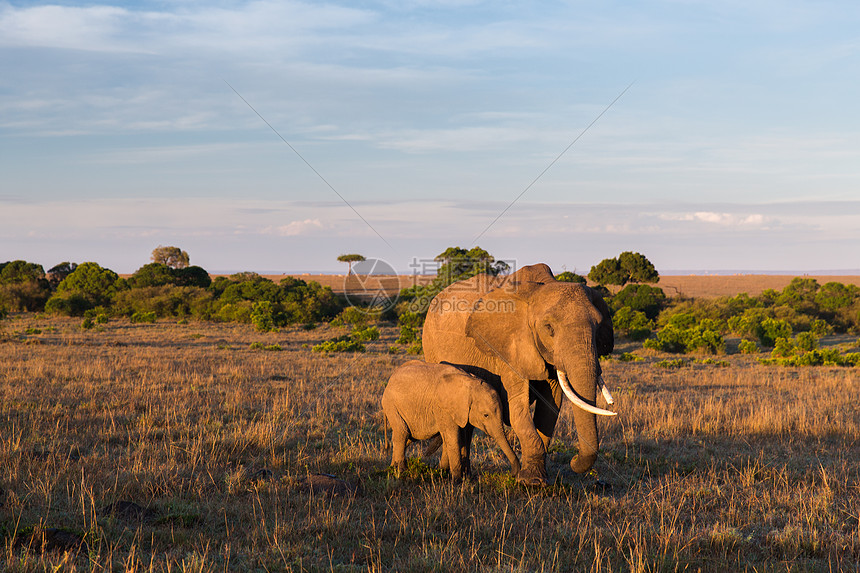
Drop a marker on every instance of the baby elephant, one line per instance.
(423, 400)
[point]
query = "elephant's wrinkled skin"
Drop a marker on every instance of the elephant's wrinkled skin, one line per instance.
(523, 333)
(422, 400)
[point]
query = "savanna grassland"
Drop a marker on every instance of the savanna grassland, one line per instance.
(182, 447)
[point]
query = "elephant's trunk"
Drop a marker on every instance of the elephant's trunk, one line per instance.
(586, 379)
(497, 432)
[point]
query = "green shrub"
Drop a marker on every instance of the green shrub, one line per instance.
(806, 341)
(825, 357)
(262, 316)
(143, 317)
(87, 323)
(683, 335)
(165, 301)
(569, 277)
(629, 357)
(747, 347)
(674, 363)
(783, 348)
(350, 316)
(644, 298)
(712, 362)
(770, 330)
(365, 334)
(416, 348)
(633, 324)
(410, 327)
(270, 347)
(235, 312)
(70, 304)
(343, 343)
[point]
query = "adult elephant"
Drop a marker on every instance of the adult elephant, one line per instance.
(536, 339)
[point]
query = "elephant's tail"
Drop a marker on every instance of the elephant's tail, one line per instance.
(433, 445)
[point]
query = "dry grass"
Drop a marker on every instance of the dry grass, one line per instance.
(711, 468)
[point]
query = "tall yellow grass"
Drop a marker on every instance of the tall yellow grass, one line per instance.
(704, 468)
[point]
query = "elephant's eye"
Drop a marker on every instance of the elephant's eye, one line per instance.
(548, 328)
(486, 415)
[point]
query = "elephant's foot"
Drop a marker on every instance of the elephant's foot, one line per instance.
(398, 468)
(581, 464)
(532, 476)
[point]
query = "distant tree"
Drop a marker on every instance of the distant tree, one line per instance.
(644, 298)
(57, 273)
(800, 294)
(192, 276)
(173, 257)
(835, 296)
(638, 268)
(21, 272)
(23, 286)
(92, 282)
(456, 264)
(150, 275)
(628, 267)
(459, 264)
(352, 258)
(569, 277)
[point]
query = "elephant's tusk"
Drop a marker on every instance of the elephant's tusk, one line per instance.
(573, 397)
(606, 395)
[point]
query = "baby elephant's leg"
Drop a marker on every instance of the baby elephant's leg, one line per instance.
(451, 447)
(465, 448)
(399, 441)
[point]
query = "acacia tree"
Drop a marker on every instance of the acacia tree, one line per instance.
(628, 267)
(173, 257)
(351, 258)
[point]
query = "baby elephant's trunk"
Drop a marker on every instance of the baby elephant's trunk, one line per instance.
(497, 432)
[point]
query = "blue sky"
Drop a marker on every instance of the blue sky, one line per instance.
(736, 147)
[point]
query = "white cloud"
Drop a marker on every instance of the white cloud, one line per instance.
(725, 219)
(295, 228)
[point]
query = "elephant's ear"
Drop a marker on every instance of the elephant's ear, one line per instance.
(459, 401)
(500, 328)
(605, 334)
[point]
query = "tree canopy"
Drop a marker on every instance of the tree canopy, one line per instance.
(351, 258)
(173, 257)
(628, 267)
(458, 264)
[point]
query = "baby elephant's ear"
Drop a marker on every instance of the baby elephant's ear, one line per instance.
(458, 400)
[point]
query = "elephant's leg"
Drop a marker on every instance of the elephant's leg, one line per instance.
(399, 441)
(533, 469)
(444, 462)
(466, 448)
(549, 397)
(451, 447)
